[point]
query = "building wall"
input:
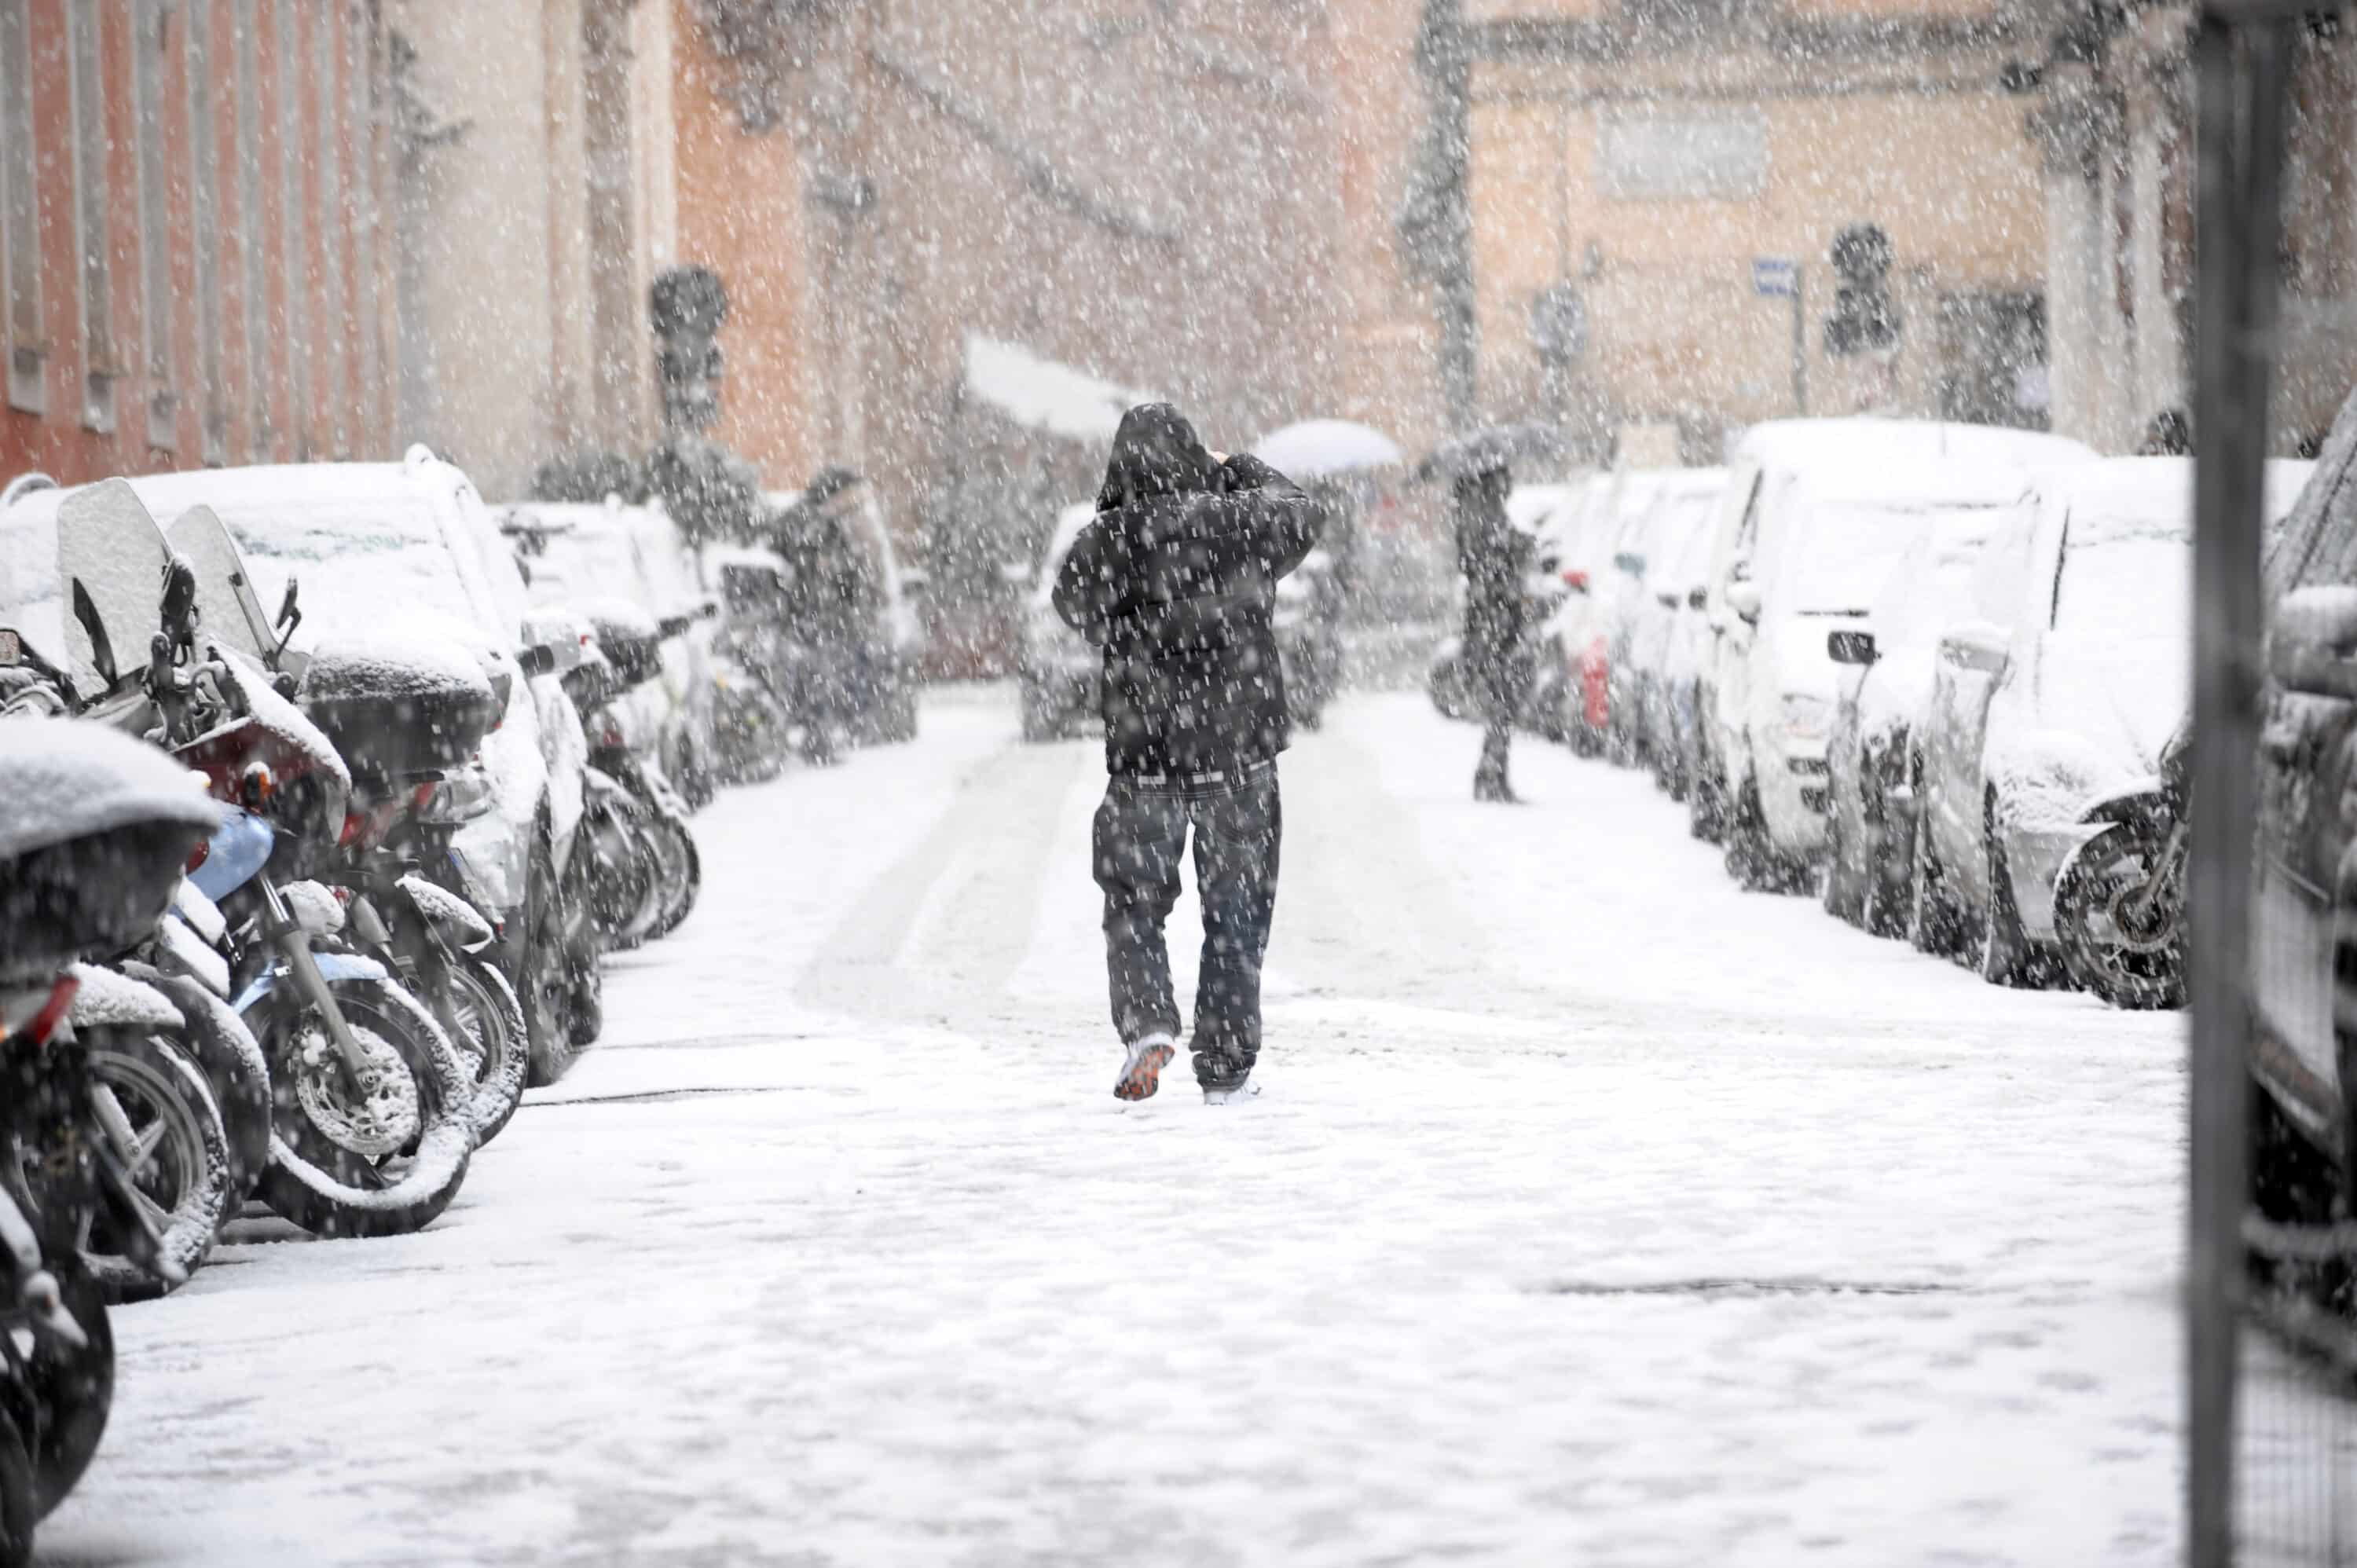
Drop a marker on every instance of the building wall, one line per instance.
(535, 205)
(1389, 376)
(199, 190)
(1648, 172)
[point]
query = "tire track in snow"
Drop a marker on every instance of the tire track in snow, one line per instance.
(935, 938)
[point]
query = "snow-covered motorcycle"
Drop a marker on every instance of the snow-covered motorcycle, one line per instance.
(93, 833)
(2119, 899)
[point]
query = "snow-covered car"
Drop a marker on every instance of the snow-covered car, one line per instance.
(1680, 508)
(2304, 900)
(575, 555)
(1677, 691)
(1770, 685)
(1057, 672)
(1878, 716)
(409, 549)
(2064, 684)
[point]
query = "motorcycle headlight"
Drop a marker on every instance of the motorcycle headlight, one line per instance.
(1807, 717)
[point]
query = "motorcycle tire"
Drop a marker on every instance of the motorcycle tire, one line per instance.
(680, 878)
(2137, 972)
(179, 1164)
(73, 1388)
(547, 990)
(18, 1513)
(489, 1012)
(324, 1184)
(235, 1070)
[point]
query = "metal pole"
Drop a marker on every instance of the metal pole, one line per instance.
(1800, 343)
(2239, 143)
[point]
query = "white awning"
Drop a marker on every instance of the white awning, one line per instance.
(1044, 395)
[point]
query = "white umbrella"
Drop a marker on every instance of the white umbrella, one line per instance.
(1319, 448)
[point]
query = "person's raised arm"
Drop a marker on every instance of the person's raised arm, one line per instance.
(1285, 520)
(1085, 594)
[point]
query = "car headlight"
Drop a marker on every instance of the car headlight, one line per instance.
(1807, 716)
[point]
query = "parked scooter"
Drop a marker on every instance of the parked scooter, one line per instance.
(652, 871)
(371, 1135)
(91, 849)
(2119, 899)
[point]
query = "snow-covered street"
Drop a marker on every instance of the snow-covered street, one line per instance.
(1594, 1213)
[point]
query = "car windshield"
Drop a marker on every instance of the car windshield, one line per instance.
(1845, 554)
(2125, 585)
(360, 560)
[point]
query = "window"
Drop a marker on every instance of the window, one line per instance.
(334, 322)
(253, 236)
(368, 235)
(152, 27)
(87, 84)
(204, 195)
(20, 215)
(1646, 154)
(291, 211)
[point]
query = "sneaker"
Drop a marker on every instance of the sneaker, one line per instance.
(1141, 1073)
(1234, 1093)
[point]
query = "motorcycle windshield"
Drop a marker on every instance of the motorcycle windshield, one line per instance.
(111, 559)
(225, 595)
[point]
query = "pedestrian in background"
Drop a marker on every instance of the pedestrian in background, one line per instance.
(1495, 557)
(1176, 579)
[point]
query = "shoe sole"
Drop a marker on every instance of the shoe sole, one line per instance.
(1143, 1078)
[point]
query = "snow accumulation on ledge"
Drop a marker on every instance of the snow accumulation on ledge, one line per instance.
(1044, 395)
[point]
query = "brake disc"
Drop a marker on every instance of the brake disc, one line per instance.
(382, 1117)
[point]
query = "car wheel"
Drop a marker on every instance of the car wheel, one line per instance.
(1889, 868)
(1750, 859)
(2003, 956)
(1845, 883)
(1934, 924)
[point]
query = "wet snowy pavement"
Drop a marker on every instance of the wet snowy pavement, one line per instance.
(1595, 1212)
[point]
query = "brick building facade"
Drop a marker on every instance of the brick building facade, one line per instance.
(193, 263)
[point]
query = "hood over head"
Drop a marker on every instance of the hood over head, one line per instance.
(1155, 452)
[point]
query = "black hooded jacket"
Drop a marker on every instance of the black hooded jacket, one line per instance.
(1176, 579)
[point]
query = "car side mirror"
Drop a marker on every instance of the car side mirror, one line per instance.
(1743, 598)
(2312, 646)
(1975, 645)
(1850, 647)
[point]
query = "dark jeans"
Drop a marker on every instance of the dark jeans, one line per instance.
(1141, 831)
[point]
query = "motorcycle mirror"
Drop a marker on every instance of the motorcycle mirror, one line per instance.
(1850, 647)
(180, 612)
(289, 608)
(225, 597)
(100, 652)
(1697, 598)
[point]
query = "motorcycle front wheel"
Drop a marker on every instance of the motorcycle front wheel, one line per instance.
(381, 1157)
(2129, 951)
(155, 1108)
(494, 1042)
(17, 1513)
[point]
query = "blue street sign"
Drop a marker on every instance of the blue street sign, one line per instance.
(1775, 277)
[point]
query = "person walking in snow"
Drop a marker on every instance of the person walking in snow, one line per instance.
(1175, 579)
(1494, 556)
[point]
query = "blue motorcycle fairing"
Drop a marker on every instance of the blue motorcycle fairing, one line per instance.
(333, 967)
(235, 854)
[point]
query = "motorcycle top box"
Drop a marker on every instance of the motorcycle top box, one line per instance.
(94, 830)
(396, 710)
